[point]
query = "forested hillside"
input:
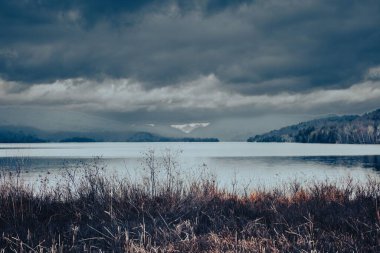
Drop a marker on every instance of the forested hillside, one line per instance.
(353, 129)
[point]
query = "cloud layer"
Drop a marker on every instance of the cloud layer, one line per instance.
(204, 93)
(179, 61)
(253, 47)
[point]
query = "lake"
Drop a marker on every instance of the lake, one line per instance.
(249, 164)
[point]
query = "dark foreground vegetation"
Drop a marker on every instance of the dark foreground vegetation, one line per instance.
(89, 212)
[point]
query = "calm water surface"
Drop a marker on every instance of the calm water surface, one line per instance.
(254, 164)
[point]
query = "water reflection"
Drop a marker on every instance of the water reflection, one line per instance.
(368, 162)
(33, 163)
(264, 166)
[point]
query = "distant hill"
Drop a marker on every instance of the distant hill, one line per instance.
(17, 134)
(149, 137)
(78, 139)
(352, 129)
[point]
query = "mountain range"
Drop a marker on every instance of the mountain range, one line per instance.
(349, 129)
(75, 123)
(17, 134)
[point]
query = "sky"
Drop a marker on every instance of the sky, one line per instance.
(233, 68)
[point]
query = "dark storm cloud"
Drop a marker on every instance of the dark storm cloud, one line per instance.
(252, 47)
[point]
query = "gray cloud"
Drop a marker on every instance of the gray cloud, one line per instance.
(254, 47)
(204, 93)
(177, 62)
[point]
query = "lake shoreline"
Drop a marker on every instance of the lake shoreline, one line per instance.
(250, 163)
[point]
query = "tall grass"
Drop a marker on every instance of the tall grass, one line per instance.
(89, 211)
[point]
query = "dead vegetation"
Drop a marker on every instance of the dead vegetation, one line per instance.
(90, 212)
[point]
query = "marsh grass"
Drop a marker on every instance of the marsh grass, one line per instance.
(90, 211)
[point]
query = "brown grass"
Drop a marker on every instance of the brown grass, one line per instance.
(95, 213)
